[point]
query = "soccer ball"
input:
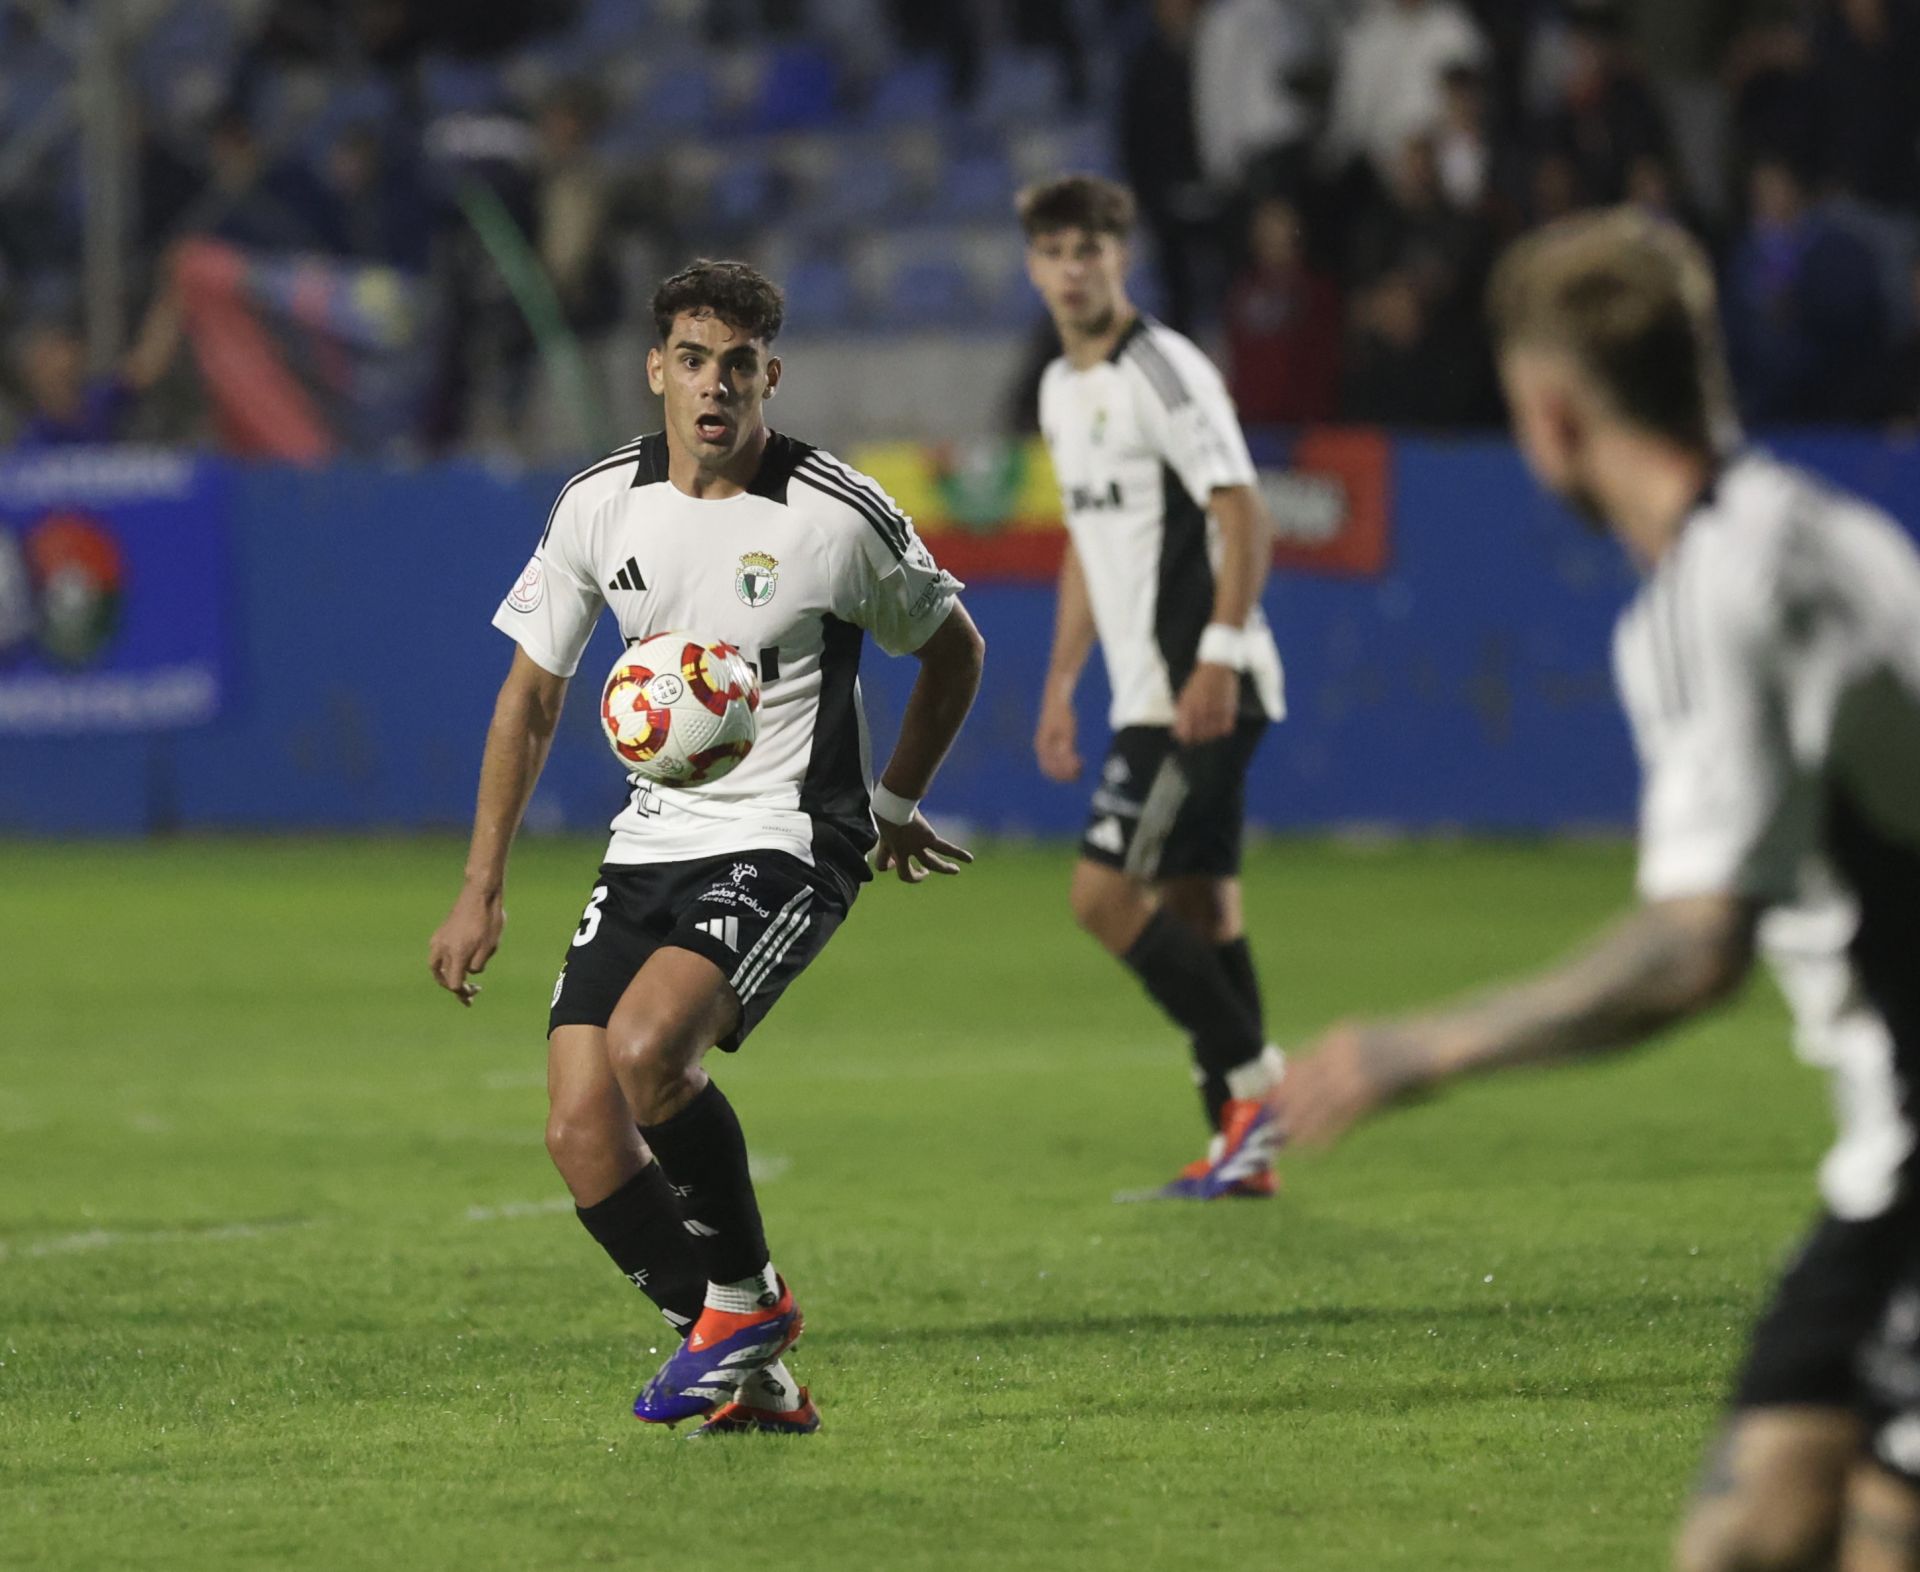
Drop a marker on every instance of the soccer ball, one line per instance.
(680, 709)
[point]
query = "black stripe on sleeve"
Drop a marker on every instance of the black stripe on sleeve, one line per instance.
(889, 529)
(622, 455)
(872, 490)
(1159, 372)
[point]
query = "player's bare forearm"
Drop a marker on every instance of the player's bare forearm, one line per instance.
(950, 666)
(519, 737)
(1073, 636)
(951, 662)
(1072, 626)
(1657, 966)
(524, 717)
(1246, 545)
(1663, 963)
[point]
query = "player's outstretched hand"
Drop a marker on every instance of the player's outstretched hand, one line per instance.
(1207, 705)
(1053, 742)
(913, 850)
(1356, 1068)
(463, 944)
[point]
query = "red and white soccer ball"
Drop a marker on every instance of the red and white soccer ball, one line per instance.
(680, 709)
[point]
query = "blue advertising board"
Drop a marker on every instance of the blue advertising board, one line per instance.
(113, 593)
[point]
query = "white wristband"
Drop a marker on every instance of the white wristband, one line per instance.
(1222, 644)
(892, 807)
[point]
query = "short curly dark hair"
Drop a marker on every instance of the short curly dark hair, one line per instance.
(1078, 201)
(742, 297)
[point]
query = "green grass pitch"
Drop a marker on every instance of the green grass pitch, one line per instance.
(286, 1280)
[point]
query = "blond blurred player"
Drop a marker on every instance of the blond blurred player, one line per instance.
(1770, 666)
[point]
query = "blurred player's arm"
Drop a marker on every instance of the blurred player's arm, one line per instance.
(1667, 961)
(518, 739)
(1053, 738)
(1210, 700)
(951, 662)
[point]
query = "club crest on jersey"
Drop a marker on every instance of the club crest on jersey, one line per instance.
(758, 578)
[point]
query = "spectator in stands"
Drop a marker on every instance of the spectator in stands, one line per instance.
(253, 200)
(1865, 81)
(64, 406)
(1392, 62)
(1416, 353)
(1775, 112)
(1159, 152)
(574, 235)
(1246, 54)
(1283, 326)
(381, 211)
(1606, 116)
(1806, 323)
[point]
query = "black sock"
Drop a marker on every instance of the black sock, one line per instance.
(702, 1147)
(1238, 961)
(1185, 975)
(640, 1226)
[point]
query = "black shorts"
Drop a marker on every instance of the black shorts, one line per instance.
(1843, 1331)
(1168, 812)
(760, 916)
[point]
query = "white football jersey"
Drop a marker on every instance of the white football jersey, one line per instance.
(794, 572)
(1139, 444)
(1770, 666)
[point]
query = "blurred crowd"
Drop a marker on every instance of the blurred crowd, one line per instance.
(1352, 171)
(1323, 185)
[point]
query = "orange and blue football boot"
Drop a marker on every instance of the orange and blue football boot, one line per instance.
(754, 1410)
(1238, 1164)
(722, 1349)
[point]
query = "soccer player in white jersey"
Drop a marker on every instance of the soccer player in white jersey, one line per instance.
(1770, 666)
(723, 528)
(1167, 551)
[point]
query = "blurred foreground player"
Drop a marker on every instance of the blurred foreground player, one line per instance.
(1770, 666)
(711, 900)
(1168, 551)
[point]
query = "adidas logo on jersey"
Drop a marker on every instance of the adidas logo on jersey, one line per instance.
(1107, 836)
(628, 578)
(725, 929)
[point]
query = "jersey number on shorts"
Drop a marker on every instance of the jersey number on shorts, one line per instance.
(590, 918)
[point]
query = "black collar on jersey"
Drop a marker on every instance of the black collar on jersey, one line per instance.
(778, 461)
(1132, 331)
(652, 468)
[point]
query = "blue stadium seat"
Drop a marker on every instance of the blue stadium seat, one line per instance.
(930, 292)
(1021, 87)
(977, 186)
(863, 190)
(746, 194)
(682, 97)
(820, 295)
(911, 93)
(799, 91)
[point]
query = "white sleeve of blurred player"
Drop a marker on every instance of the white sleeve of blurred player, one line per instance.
(1186, 413)
(550, 612)
(1704, 670)
(885, 579)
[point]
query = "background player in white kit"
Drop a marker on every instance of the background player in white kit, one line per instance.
(1770, 666)
(725, 529)
(1168, 551)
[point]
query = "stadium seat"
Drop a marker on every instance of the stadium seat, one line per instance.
(745, 193)
(977, 186)
(861, 189)
(820, 295)
(914, 92)
(929, 293)
(1020, 87)
(798, 91)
